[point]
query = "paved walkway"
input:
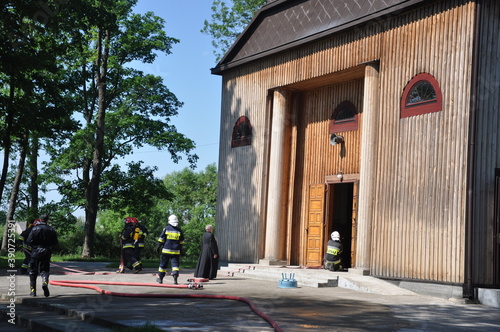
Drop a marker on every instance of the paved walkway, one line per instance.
(224, 304)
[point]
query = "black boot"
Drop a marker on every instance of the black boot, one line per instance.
(32, 285)
(45, 286)
(159, 279)
(175, 279)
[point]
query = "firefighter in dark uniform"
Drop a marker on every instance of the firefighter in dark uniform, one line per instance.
(41, 239)
(128, 246)
(170, 246)
(140, 233)
(22, 239)
(333, 260)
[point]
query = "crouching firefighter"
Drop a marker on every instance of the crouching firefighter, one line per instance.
(170, 246)
(333, 261)
(41, 239)
(127, 243)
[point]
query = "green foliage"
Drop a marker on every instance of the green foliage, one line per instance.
(228, 22)
(194, 202)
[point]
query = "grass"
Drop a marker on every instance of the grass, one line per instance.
(113, 262)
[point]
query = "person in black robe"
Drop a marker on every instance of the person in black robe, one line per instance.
(208, 262)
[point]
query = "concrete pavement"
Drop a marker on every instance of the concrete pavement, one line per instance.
(225, 304)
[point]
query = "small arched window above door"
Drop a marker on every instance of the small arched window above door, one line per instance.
(421, 95)
(344, 118)
(242, 132)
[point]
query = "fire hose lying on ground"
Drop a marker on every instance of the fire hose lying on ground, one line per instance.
(192, 285)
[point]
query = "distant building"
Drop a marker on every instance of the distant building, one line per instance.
(378, 119)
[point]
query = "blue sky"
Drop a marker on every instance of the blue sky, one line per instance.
(186, 72)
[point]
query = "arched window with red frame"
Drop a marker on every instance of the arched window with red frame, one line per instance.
(242, 132)
(421, 95)
(344, 118)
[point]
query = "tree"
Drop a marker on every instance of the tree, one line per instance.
(121, 107)
(30, 102)
(228, 23)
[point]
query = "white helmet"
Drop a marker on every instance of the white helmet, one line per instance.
(172, 220)
(335, 236)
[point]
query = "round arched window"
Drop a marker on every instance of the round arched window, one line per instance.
(242, 132)
(421, 95)
(344, 117)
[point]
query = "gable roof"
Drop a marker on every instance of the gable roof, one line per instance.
(283, 24)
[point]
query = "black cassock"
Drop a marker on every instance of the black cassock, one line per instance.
(207, 265)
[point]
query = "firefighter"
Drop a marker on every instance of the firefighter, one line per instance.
(140, 233)
(333, 261)
(170, 246)
(22, 238)
(41, 239)
(127, 247)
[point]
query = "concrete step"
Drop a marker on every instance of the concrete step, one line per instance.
(489, 297)
(34, 315)
(304, 277)
(315, 278)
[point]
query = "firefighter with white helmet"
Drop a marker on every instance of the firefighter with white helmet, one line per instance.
(333, 260)
(170, 246)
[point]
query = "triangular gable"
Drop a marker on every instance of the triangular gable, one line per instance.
(284, 24)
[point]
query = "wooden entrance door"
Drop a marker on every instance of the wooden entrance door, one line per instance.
(315, 225)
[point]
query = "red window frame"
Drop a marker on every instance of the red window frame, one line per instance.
(344, 125)
(427, 106)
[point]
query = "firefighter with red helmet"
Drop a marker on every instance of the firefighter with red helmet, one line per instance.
(170, 246)
(140, 233)
(127, 247)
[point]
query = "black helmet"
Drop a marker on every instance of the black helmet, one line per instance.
(44, 218)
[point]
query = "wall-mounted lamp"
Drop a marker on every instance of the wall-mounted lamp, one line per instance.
(336, 139)
(340, 176)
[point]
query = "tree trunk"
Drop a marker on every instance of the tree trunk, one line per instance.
(7, 141)
(15, 189)
(33, 185)
(93, 199)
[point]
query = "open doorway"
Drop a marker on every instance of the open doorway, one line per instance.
(496, 231)
(339, 217)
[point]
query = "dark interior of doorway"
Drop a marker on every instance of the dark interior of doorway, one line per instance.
(341, 217)
(496, 231)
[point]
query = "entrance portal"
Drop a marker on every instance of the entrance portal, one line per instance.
(340, 216)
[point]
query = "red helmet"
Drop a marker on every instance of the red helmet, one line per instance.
(130, 220)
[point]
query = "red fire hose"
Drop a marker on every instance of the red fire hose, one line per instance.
(89, 285)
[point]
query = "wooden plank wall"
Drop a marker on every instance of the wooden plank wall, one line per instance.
(419, 222)
(418, 226)
(487, 147)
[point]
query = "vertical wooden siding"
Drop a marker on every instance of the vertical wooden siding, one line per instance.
(419, 222)
(487, 147)
(419, 215)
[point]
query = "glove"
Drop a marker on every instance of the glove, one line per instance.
(159, 248)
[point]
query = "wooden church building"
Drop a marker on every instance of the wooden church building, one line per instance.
(378, 119)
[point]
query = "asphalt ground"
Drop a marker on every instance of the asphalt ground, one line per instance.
(225, 304)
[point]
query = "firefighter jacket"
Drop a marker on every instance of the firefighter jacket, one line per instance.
(42, 236)
(23, 238)
(333, 250)
(127, 236)
(172, 239)
(140, 233)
